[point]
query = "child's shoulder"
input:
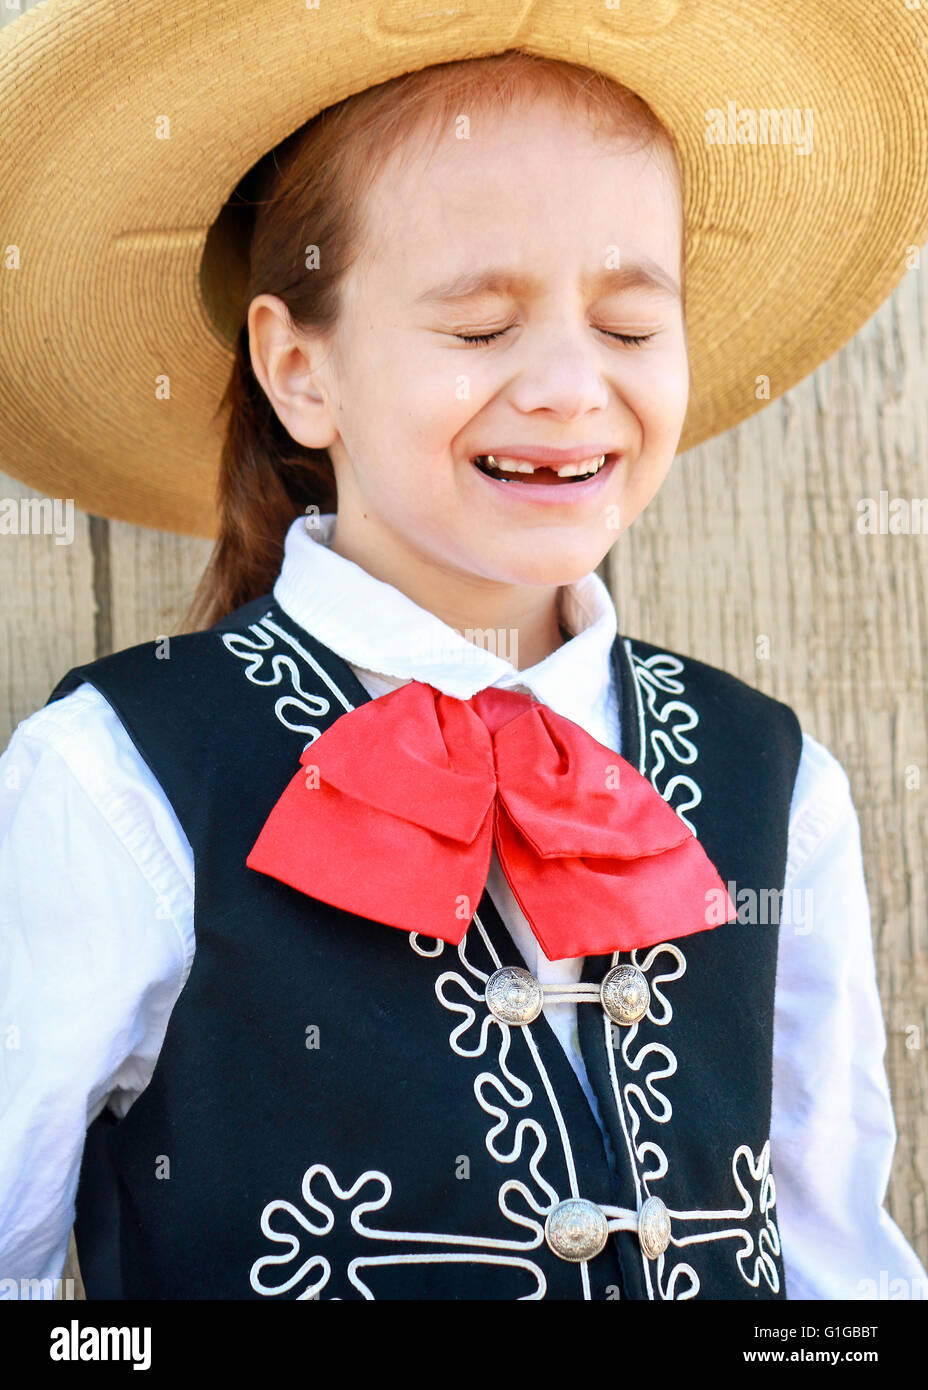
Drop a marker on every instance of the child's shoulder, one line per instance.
(822, 798)
(72, 728)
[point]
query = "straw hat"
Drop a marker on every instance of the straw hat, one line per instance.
(120, 273)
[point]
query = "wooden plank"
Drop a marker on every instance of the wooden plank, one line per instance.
(154, 577)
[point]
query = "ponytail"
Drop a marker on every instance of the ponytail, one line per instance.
(265, 480)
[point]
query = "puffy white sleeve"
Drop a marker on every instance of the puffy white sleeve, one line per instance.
(96, 943)
(832, 1129)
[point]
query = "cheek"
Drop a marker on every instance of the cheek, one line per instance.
(434, 423)
(661, 403)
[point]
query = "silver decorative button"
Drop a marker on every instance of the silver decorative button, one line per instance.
(624, 994)
(576, 1229)
(513, 995)
(654, 1227)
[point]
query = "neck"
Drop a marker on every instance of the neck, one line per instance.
(518, 622)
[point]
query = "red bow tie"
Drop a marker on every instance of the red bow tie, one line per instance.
(396, 808)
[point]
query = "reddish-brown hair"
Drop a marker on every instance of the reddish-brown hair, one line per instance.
(310, 191)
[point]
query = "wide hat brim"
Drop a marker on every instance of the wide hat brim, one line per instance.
(122, 275)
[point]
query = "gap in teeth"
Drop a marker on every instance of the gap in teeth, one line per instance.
(567, 470)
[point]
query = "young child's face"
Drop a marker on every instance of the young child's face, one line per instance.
(411, 404)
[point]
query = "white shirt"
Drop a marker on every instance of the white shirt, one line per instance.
(97, 933)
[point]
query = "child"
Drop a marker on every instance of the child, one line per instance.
(391, 966)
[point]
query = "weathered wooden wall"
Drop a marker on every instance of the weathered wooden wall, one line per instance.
(753, 535)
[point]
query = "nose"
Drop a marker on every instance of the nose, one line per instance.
(562, 372)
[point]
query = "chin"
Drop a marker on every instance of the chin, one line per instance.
(553, 566)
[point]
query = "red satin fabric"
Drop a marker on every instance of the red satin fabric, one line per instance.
(396, 807)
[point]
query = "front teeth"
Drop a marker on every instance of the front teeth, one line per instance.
(510, 465)
(590, 466)
(569, 470)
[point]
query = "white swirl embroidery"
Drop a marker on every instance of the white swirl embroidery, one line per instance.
(660, 672)
(768, 1241)
(494, 1096)
(254, 651)
(656, 673)
(496, 1099)
(382, 1190)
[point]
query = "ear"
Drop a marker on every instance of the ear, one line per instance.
(289, 365)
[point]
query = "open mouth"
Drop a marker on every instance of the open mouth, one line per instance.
(512, 470)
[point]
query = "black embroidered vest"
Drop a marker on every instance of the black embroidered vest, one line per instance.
(335, 1113)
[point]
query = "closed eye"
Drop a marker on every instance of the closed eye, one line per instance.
(628, 338)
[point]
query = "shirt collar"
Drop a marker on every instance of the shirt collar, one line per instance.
(378, 629)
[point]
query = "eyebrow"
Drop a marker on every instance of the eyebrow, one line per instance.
(634, 275)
